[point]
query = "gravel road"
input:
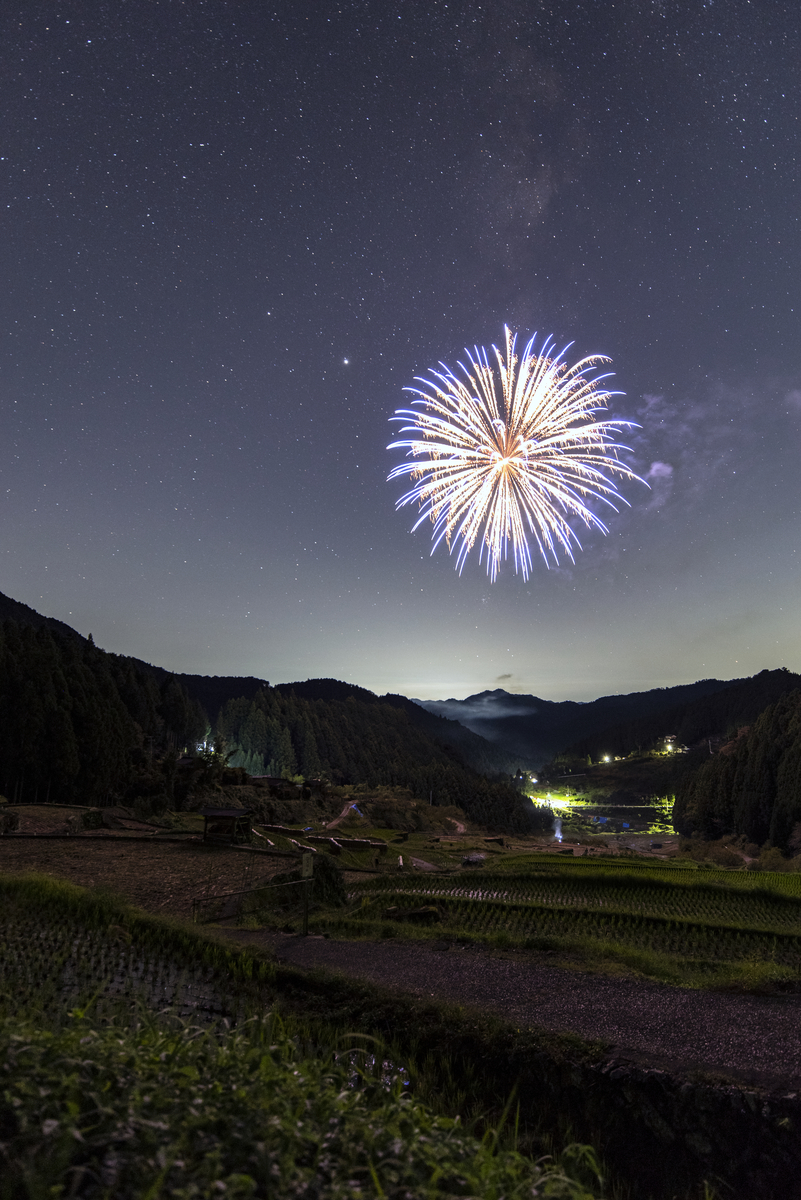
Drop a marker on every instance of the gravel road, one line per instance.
(754, 1039)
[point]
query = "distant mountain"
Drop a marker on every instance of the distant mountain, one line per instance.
(213, 692)
(79, 724)
(351, 736)
(482, 755)
(534, 730)
(492, 731)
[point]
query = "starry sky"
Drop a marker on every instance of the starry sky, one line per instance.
(233, 232)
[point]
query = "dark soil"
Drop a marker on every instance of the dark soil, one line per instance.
(158, 876)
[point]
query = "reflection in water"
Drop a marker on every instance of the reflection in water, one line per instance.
(557, 828)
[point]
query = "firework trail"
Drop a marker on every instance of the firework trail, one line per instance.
(512, 449)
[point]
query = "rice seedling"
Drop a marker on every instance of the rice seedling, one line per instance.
(129, 1066)
(679, 926)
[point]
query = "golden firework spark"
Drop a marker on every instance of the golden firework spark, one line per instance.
(513, 448)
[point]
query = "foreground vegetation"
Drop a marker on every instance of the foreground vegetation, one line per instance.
(162, 1108)
(107, 1092)
(142, 1057)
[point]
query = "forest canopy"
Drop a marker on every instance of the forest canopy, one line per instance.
(79, 725)
(753, 785)
(364, 741)
(74, 719)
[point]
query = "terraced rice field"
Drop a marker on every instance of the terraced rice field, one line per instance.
(734, 918)
(57, 951)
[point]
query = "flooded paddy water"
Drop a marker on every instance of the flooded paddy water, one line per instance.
(575, 816)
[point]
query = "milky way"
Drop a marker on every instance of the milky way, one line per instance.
(233, 232)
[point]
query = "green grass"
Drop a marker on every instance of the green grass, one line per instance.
(167, 1109)
(171, 1105)
(98, 1091)
(722, 929)
(671, 870)
(62, 945)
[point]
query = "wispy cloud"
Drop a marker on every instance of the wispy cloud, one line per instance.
(703, 444)
(477, 709)
(660, 479)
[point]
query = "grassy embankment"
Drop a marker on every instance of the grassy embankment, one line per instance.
(122, 1076)
(201, 1118)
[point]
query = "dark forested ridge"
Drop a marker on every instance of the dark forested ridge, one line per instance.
(210, 691)
(77, 723)
(715, 715)
(362, 739)
(15, 610)
(73, 719)
(80, 725)
(752, 786)
(534, 730)
(483, 756)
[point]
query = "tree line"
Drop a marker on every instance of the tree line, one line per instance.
(80, 725)
(751, 787)
(713, 715)
(76, 722)
(364, 741)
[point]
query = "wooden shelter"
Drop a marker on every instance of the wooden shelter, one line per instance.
(228, 826)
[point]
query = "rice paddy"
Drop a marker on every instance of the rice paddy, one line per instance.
(138, 1058)
(719, 927)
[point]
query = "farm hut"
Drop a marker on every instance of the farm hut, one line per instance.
(230, 826)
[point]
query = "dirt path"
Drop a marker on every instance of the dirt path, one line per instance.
(337, 820)
(753, 1039)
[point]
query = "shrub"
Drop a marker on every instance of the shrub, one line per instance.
(90, 818)
(772, 859)
(724, 856)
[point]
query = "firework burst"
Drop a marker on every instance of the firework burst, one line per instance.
(511, 450)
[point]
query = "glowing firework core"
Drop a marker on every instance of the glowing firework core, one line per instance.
(511, 450)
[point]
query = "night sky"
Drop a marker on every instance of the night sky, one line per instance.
(233, 232)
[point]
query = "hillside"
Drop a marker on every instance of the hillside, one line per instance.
(532, 730)
(482, 755)
(752, 786)
(713, 716)
(363, 739)
(617, 766)
(213, 692)
(14, 610)
(79, 723)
